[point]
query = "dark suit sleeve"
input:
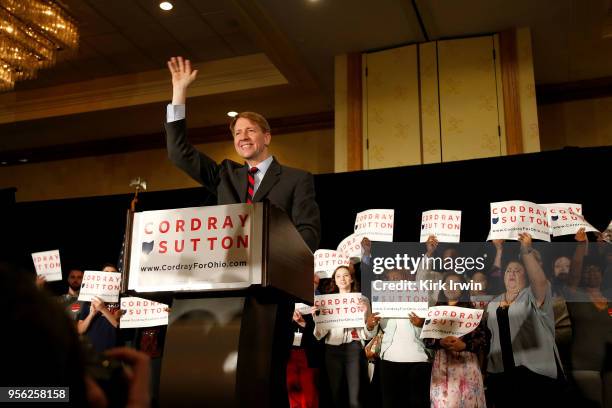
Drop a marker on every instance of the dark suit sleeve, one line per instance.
(183, 155)
(305, 211)
(314, 348)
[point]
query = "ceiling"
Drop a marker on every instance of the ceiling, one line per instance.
(300, 38)
(126, 36)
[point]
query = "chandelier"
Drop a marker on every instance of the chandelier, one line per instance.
(32, 33)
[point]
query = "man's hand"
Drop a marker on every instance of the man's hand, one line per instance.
(182, 74)
(298, 318)
(182, 77)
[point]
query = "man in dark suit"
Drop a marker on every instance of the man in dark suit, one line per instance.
(263, 177)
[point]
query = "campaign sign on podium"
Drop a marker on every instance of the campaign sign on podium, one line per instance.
(197, 248)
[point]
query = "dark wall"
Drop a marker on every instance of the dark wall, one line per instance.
(574, 175)
(89, 231)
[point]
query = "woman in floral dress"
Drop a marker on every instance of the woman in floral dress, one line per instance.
(456, 380)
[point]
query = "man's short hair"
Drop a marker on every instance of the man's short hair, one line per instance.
(72, 267)
(253, 117)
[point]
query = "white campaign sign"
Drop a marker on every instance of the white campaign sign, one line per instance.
(103, 285)
(376, 225)
(567, 219)
(197, 248)
(568, 207)
(444, 224)
(340, 310)
(351, 247)
(399, 303)
(140, 312)
(48, 264)
(327, 260)
(444, 321)
(509, 218)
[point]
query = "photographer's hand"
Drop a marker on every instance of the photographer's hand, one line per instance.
(138, 373)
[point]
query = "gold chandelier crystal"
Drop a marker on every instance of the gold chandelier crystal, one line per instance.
(32, 32)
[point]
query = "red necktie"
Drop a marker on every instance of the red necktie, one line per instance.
(251, 184)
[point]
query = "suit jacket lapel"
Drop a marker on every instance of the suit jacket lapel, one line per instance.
(239, 181)
(270, 179)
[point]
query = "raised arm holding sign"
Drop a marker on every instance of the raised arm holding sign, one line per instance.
(48, 265)
(567, 219)
(444, 224)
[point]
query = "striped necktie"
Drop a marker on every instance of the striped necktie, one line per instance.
(251, 184)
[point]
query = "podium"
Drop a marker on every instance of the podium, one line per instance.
(228, 338)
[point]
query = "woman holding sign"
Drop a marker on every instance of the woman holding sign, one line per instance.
(456, 379)
(523, 361)
(344, 355)
(99, 321)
